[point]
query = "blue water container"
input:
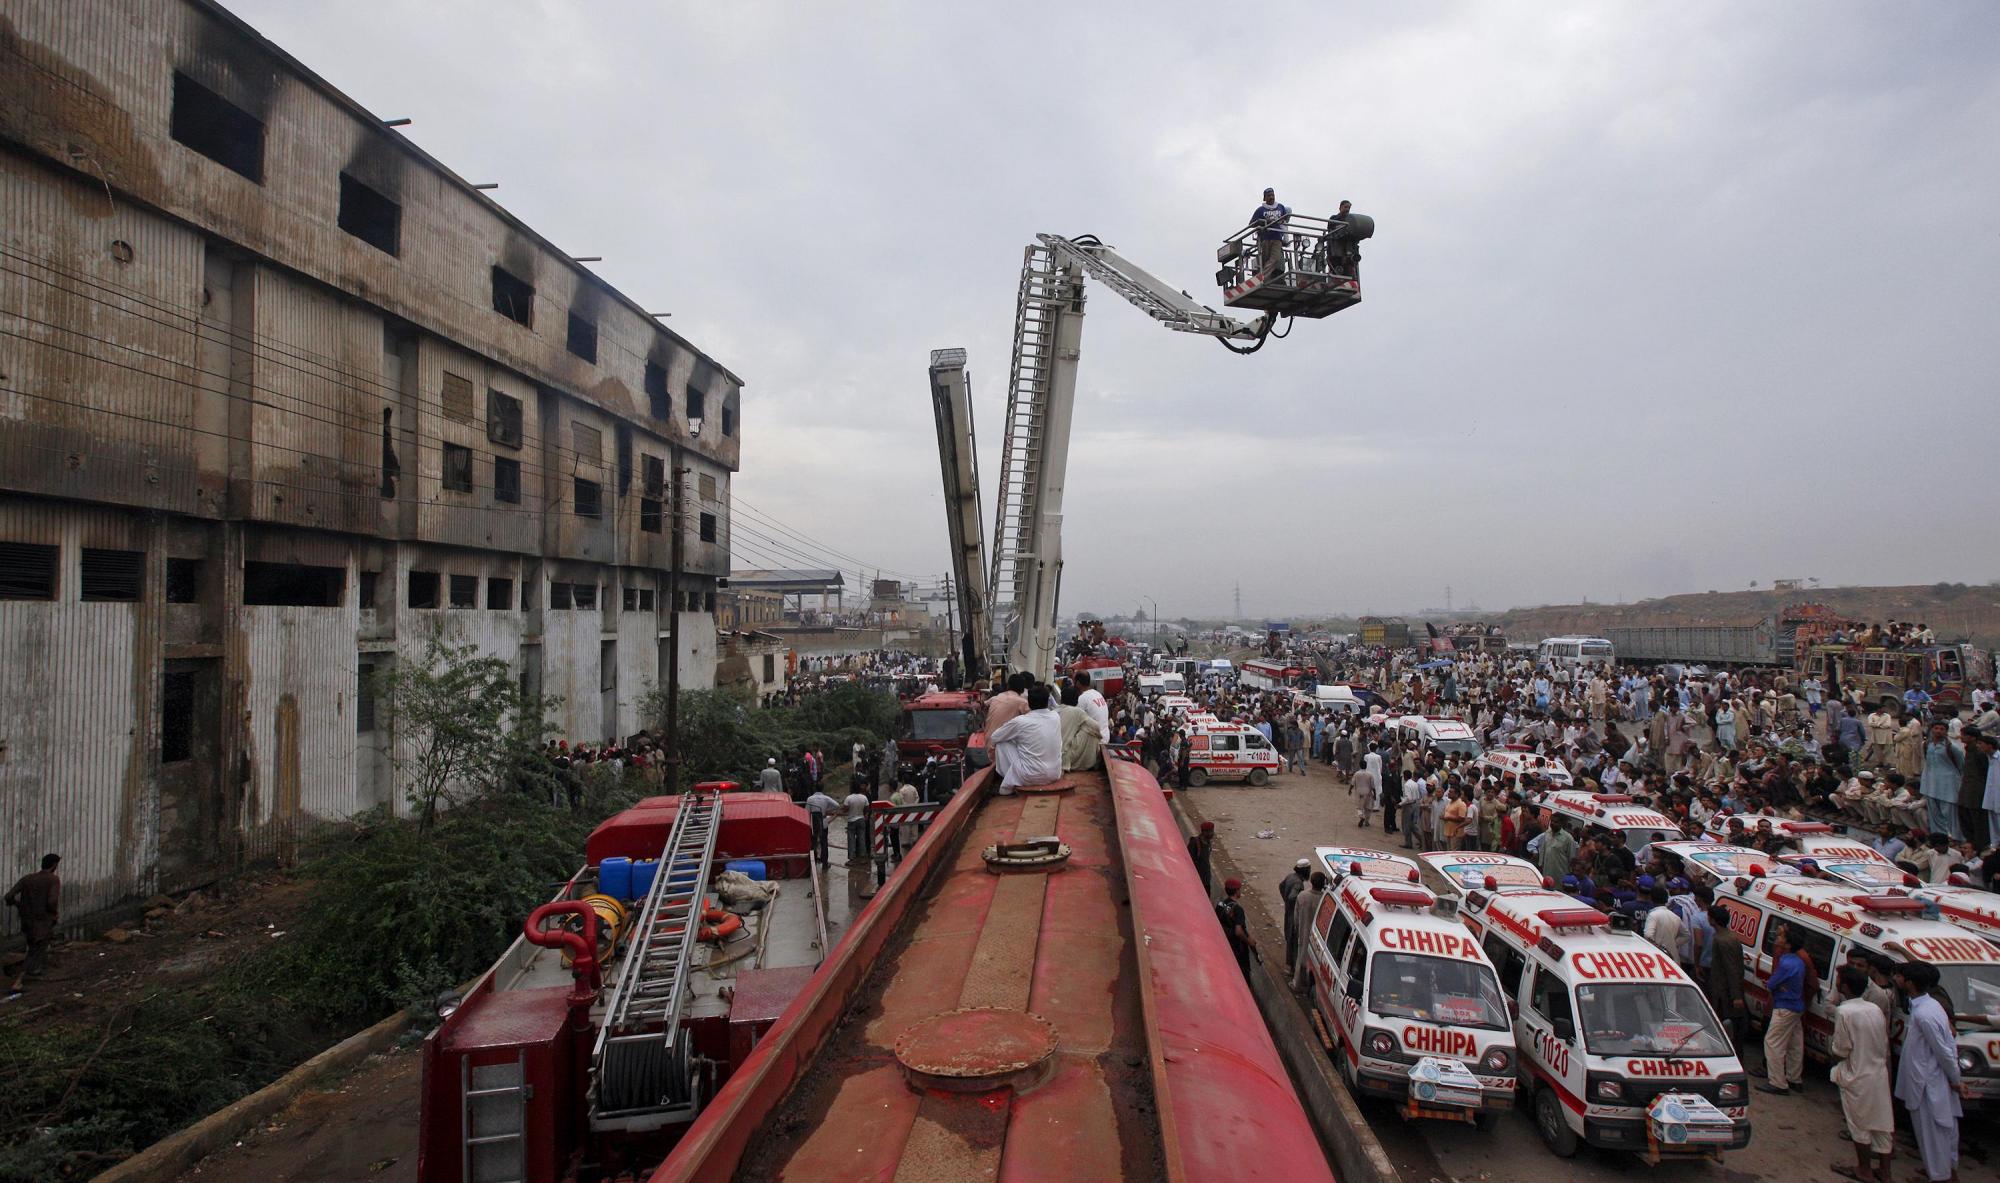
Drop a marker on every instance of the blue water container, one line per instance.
(642, 876)
(753, 867)
(614, 877)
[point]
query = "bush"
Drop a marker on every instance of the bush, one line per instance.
(721, 739)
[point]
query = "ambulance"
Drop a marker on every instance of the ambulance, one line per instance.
(1613, 1036)
(1175, 704)
(1967, 907)
(1413, 1005)
(1464, 871)
(1828, 919)
(1636, 826)
(1813, 838)
(1230, 751)
(1379, 865)
(1157, 685)
(1713, 862)
(1519, 762)
(1437, 733)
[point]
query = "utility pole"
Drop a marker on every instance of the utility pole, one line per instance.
(1447, 599)
(1239, 603)
(950, 617)
(673, 769)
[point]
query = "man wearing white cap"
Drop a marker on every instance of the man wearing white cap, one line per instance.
(771, 780)
(1294, 883)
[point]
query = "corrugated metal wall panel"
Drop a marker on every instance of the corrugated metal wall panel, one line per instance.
(302, 740)
(73, 777)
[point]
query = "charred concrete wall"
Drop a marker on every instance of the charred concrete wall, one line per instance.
(280, 397)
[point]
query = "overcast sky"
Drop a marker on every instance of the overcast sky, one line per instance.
(1663, 297)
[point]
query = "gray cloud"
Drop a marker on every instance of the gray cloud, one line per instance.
(1665, 297)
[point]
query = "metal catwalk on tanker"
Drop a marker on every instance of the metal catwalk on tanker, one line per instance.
(1084, 1021)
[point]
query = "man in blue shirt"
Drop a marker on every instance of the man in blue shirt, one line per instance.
(1784, 1039)
(1270, 219)
(1890, 845)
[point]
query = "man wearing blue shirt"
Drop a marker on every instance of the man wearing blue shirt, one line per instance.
(1270, 219)
(1784, 1039)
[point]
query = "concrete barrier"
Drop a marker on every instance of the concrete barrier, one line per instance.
(172, 1156)
(1357, 1154)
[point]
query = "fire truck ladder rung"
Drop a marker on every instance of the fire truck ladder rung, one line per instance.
(651, 981)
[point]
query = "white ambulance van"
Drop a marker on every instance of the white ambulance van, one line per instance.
(1713, 862)
(1635, 825)
(1378, 865)
(1969, 908)
(1620, 1049)
(1438, 733)
(1154, 685)
(1414, 1007)
(1827, 919)
(1521, 763)
(1230, 751)
(1814, 838)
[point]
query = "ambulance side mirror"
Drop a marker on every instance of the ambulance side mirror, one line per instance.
(1564, 1029)
(1354, 989)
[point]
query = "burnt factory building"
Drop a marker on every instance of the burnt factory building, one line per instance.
(281, 396)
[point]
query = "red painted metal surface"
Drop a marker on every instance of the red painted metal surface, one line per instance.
(1225, 1096)
(754, 825)
(1162, 1070)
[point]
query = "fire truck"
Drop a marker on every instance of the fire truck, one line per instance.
(944, 725)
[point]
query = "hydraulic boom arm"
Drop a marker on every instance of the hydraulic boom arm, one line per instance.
(958, 453)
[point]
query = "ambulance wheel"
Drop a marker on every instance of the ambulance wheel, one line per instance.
(1259, 778)
(1561, 1140)
(1197, 777)
(1487, 1121)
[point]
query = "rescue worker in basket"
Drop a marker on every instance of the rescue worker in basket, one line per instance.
(1270, 219)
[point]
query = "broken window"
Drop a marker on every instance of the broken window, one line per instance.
(587, 441)
(176, 716)
(589, 499)
(292, 585)
(697, 402)
(708, 527)
(184, 581)
(217, 128)
(503, 419)
(465, 591)
(660, 403)
(370, 582)
(113, 576)
(583, 338)
(499, 594)
(645, 599)
(456, 397)
(729, 420)
(390, 468)
(585, 595)
(631, 599)
(559, 596)
(506, 480)
(654, 472)
(364, 698)
(457, 468)
(513, 297)
(423, 589)
(649, 515)
(369, 216)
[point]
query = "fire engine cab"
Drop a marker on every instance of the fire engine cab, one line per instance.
(1828, 919)
(1636, 826)
(1519, 762)
(1620, 1049)
(1229, 751)
(1414, 1007)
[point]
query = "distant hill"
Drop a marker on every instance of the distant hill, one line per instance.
(1956, 611)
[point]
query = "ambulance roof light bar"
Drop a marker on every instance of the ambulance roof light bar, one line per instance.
(1573, 918)
(1888, 903)
(1612, 798)
(1805, 827)
(1408, 897)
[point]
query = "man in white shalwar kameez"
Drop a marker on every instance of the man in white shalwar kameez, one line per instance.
(1927, 1079)
(1861, 1044)
(1027, 749)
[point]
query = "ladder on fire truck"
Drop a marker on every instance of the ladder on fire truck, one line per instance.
(641, 1056)
(1025, 579)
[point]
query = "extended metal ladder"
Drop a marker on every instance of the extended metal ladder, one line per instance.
(639, 1049)
(1044, 292)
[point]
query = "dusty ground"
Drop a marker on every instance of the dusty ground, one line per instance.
(361, 1127)
(1794, 1139)
(187, 937)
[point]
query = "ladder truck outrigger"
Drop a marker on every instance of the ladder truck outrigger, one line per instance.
(1009, 600)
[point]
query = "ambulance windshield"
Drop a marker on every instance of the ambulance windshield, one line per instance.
(1648, 1018)
(1442, 990)
(1866, 873)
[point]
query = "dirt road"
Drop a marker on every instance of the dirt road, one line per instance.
(1794, 1138)
(361, 1127)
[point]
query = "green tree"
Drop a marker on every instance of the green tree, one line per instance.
(461, 725)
